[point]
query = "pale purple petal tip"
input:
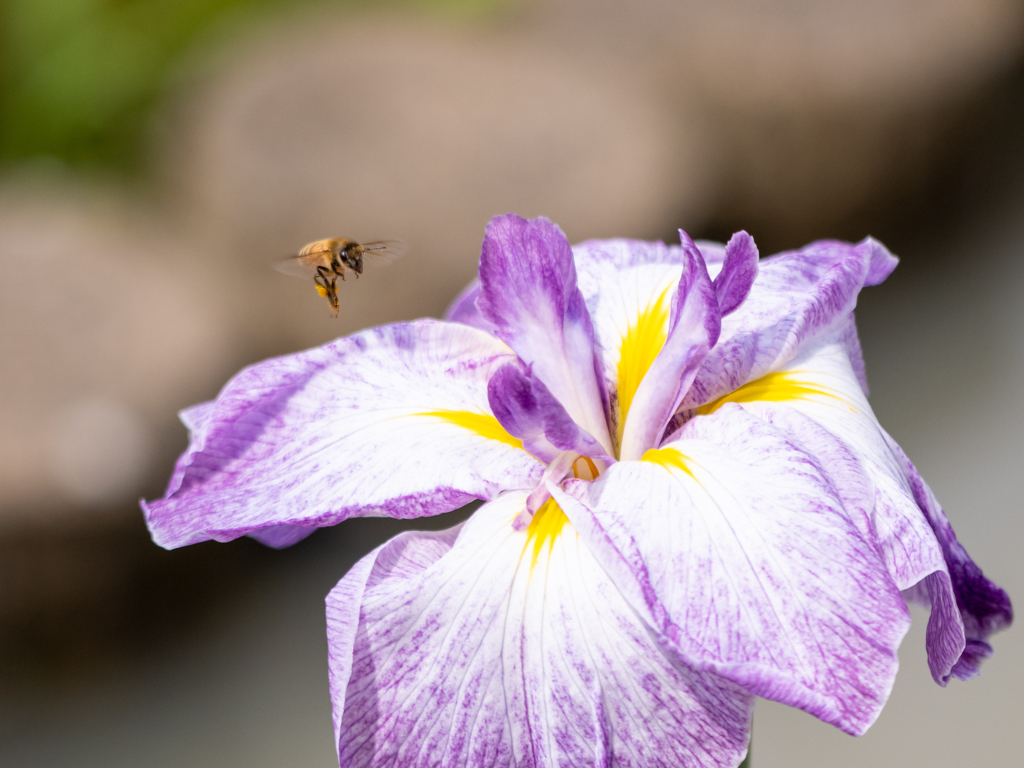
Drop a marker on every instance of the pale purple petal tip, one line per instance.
(882, 262)
(739, 270)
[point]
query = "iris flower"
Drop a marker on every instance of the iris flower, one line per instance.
(688, 503)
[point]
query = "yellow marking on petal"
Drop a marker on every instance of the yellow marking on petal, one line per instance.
(641, 344)
(482, 424)
(775, 387)
(544, 528)
(669, 458)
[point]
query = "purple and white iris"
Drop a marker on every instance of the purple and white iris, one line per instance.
(689, 502)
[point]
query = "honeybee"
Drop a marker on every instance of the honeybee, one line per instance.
(326, 260)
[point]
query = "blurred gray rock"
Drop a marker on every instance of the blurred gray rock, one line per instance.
(815, 107)
(110, 325)
(377, 127)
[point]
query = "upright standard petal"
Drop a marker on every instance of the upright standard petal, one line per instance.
(527, 410)
(630, 288)
(488, 646)
(743, 553)
(529, 292)
(693, 329)
(796, 297)
(739, 270)
(391, 421)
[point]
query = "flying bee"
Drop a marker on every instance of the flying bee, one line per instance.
(327, 260)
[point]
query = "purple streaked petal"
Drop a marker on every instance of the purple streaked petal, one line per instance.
(985, 607)
(486, 646)
(882, 262)
(195, 418)
(822, 384)
(744, 556)
(390, 421)
(739, 270)
(528, 410)
(796, 297)
(693, 330)
(529, 293)
(464, 310)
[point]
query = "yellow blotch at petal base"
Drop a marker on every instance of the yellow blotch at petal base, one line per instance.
(482, 424)
(669, 458)
(774, 387)
(544, 528)
(641, 344)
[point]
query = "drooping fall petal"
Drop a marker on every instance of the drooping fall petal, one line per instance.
(487, 646)
(742, 552)
(391, 421)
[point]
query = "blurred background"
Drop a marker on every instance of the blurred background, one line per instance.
(157, 156)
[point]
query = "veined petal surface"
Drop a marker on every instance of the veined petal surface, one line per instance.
(984, 607)
(487, 646)
(390, 421)
(797, 296)
(738, 545)
(919, 547)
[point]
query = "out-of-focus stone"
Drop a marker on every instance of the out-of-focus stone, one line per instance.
(109, 326)
(816, 107)
(377, 127)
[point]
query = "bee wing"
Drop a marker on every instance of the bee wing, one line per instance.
(383, 252)
(300, 266)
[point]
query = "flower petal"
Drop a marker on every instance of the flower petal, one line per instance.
(985, 607)
(630, 287)
(529, 293)
(487, 646)
(391, 421)
(464, 310)
(739, 270)
(693, 330)
(747, 560)
(527, 409)
(903, 518)
(797, 296)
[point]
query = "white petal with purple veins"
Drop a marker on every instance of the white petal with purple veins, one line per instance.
(487, 646)
(391, 421)
(738, 545)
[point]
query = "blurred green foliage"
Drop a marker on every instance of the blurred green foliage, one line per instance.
(78, 78)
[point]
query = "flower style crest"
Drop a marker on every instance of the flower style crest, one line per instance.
(688, 502)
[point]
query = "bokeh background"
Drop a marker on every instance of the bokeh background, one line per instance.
(156, 157)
